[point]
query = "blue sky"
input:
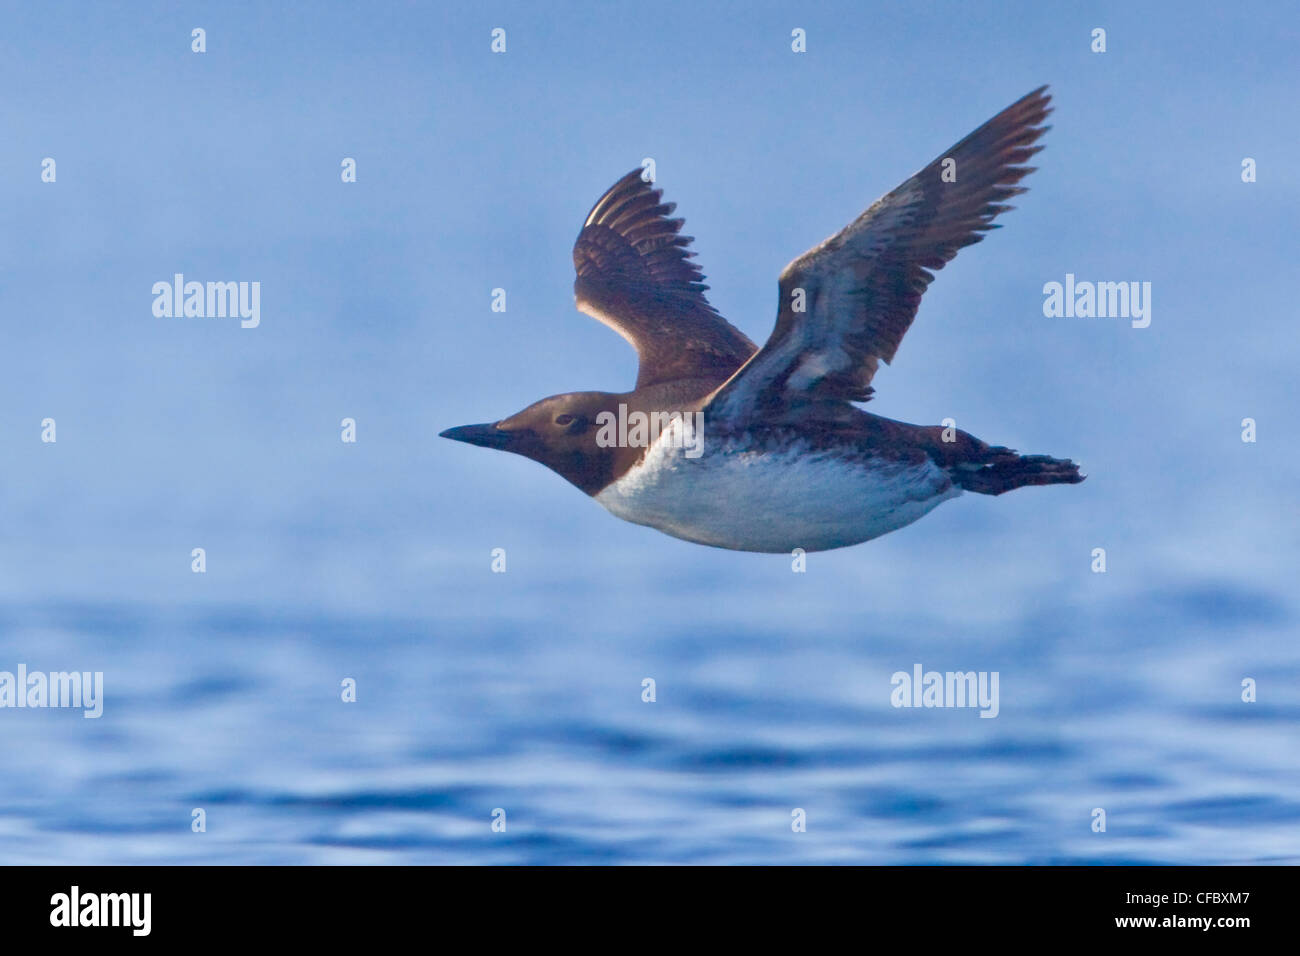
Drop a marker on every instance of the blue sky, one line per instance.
(474, 172)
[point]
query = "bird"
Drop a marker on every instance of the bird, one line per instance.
(766, 449)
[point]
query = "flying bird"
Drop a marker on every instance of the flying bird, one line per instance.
(726, 444)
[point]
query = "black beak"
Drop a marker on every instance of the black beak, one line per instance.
(486, 435)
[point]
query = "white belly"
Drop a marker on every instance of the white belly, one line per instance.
(748, 501)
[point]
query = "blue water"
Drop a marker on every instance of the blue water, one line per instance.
(1120, 704)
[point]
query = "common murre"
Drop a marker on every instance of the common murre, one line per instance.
(787, 460)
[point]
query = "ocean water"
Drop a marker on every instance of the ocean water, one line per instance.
(1129, 705)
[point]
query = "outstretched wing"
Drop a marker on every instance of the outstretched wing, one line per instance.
(846, 304)
(635, 274)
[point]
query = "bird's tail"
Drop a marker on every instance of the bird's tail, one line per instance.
(1007, 471)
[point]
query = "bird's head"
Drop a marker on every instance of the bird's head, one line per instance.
(560, 432)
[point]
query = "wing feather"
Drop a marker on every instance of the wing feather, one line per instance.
(846, 304)
(636, 275)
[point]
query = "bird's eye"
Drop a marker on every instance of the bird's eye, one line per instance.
(573, 424)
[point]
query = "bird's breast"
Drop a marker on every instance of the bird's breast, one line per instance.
(751, 495)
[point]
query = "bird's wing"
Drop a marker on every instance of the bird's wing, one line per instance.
(846, 304)
(635, 274)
